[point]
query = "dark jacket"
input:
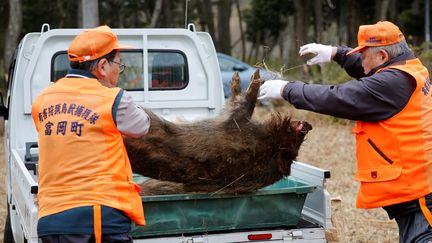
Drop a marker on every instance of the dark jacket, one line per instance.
(372, 97)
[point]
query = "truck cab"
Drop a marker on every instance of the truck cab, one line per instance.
(174, 72)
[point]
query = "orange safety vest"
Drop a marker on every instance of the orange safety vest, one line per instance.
(394, 157)
(82, 158)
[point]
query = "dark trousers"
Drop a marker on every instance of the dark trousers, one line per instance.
(114, 238)
(414, 228)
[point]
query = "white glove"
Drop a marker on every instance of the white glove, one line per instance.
(323, 53)
(272, 89)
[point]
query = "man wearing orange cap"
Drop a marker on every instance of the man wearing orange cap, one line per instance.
(86, 192)
(391, 100)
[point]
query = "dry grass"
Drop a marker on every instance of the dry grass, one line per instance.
(329, 145)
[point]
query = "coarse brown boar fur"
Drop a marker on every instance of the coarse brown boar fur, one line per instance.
(230, 153)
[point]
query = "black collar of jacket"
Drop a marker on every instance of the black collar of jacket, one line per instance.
(395, 60)
(80, 72)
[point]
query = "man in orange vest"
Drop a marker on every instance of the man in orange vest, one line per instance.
(391, 101)
(86, 192)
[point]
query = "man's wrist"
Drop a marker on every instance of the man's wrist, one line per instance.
(284, 89)
(334, 51)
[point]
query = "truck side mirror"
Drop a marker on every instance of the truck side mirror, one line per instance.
(4, 111)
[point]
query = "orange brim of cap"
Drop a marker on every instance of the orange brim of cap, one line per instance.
(357, 49)
(122, 47)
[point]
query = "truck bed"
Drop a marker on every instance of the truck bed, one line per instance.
(276, 205)
(292, 206)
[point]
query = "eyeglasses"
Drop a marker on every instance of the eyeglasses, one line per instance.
(121, 66)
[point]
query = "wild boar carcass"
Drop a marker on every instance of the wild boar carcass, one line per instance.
(230, 153)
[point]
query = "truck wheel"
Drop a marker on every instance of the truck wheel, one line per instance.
(8, 235)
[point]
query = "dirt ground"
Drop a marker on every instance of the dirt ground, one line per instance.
(329, 145)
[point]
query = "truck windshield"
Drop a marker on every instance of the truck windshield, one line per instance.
(167, 70)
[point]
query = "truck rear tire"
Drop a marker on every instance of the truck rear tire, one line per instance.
(8, 235)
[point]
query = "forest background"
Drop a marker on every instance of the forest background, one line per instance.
(251, 30)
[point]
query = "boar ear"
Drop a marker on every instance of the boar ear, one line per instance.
(235, 89)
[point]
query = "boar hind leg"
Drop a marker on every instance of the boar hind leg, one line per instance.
(252, 91)
(235, 90)
(242, 112)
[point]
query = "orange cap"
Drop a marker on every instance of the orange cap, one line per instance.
(383, 33)
(93, 44)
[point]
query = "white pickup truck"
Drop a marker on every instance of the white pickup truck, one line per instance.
(175, 73)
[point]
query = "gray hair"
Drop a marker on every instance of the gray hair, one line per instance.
(90, 65)
(393, 50)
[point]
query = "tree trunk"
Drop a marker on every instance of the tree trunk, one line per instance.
(342, 22)
(348, 22)
(415, 7)
(13, 31)
(209, 18)
(301, 21)
(290, 44)
(168, 14)
(257, 46)
(90, 13)
(281, 45)
(301, 25)
(62, 13)
(251, 50)
(393, 10)
(80, 15)
(224, 35)
(381, 10)
(156, 13)
(353, 22)
(242, 37)
(318, 20)
(121, 17)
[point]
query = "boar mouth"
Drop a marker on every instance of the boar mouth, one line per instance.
(306, 127)
(303, 127)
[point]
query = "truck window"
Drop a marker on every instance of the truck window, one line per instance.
(132, 77)
(167, 69)
(59, 66)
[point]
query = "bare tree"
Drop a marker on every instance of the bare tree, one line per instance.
(354, 21)
(348, 22)
(13, 30)
(382, 9)
(342, 25)
(290, 51)
(415, 7)
(318, 20)
(208, 17)
(242, 37)
(156, 13)
(224, 35)
(301, 24)
(393, 10)
(168, 14)
(90, 13)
